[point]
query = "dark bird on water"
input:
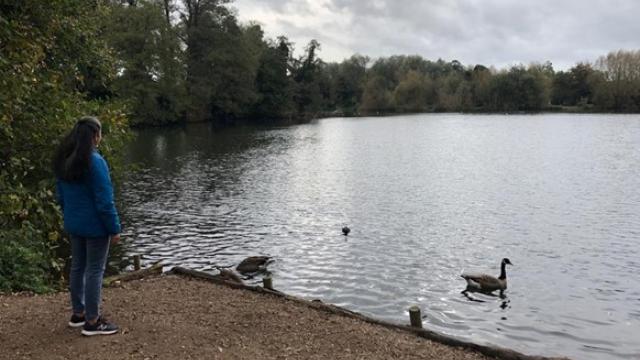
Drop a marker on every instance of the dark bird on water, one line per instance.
(346, 230)
(486, 283)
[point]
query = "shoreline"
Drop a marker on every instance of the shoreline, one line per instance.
(175, 315)
(328, 115)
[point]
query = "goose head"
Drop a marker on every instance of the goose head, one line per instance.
(503, 272)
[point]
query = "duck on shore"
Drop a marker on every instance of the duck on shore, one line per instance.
(486, 283)
(253, 264)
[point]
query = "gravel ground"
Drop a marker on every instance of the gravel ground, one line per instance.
(172, 317)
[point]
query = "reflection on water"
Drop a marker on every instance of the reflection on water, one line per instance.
(426, 197)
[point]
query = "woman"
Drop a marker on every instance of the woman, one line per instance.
(85, 195)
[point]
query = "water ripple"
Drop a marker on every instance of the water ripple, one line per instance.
(427, 197)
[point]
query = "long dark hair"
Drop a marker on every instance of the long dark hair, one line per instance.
(73, 156)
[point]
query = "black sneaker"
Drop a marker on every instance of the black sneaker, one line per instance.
(76, 321)
(101, 327)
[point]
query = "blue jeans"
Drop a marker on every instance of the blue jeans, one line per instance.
(88, 261)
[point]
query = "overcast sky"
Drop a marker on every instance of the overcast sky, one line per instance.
(488, 32)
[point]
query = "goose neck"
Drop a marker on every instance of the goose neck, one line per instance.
(503, 271)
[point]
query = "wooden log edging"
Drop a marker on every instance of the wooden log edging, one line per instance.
(493, 351)
(179, 270)
(154, 269)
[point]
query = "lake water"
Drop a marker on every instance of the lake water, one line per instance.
(426, 197)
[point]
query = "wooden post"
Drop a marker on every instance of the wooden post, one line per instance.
(267, 282)
(415, 317)
(136, 262)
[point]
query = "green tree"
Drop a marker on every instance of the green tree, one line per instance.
(201, 22)
(480, 87)
(412, 92)
(386, 71)
(349, 82)
(563, 92)
(234, 66)
(222, 59)
(543, 74)
(272, 81)
(52, 62)
(447, 91)
(464, 96)
(573, 87)
(516, 90)
(306, 72)
(618, 86)
(580, 75)
(150, 76)
(376, 98)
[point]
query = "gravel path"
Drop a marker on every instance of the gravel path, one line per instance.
(171, 317)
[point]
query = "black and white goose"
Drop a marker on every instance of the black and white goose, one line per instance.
(487, 283)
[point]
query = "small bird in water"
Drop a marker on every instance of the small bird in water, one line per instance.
(346, 230)
(486, 283)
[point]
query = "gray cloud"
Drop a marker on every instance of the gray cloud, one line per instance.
(489, 32)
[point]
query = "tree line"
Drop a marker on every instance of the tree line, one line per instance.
(159, 62)
(413, 84)
(193, 61)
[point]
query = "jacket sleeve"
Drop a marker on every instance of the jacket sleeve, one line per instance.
(103, 195)
(59, 194)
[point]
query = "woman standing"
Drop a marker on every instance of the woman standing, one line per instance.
(85, 195)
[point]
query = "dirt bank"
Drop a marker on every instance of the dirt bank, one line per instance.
(172, 317)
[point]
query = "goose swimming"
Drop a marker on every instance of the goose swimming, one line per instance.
(487, 283)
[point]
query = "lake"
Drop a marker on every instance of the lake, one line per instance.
(426, 197)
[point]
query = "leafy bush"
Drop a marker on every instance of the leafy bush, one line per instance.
(53, 69)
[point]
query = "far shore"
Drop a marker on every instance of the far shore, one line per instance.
(555, 109)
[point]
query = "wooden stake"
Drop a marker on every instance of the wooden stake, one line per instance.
(136, 262)
(415, 317)
(267, 282)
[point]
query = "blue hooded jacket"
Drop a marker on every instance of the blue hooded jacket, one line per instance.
(87, 205)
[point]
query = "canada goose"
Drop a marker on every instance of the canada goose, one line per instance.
(253, 264)
(487, 283)
(346, 230)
